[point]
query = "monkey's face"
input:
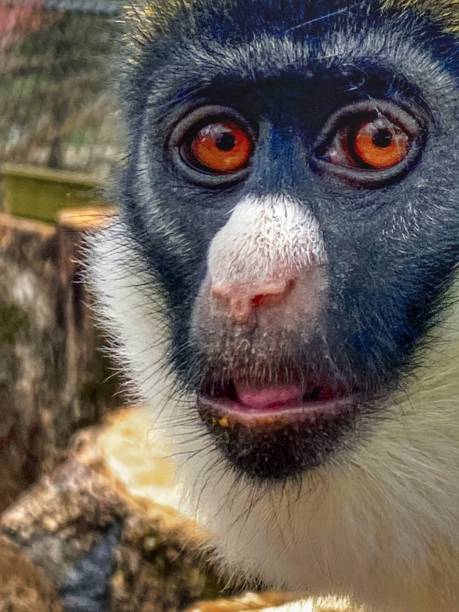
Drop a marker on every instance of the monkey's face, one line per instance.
(291, 193)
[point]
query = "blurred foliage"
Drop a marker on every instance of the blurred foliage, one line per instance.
(56, 106)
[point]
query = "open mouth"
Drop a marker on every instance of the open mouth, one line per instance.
(276, 431)
(276, 405)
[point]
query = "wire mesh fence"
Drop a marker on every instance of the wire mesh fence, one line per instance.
(57, 108)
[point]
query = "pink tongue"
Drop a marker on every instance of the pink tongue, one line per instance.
(272, 397)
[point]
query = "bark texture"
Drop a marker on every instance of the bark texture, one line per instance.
(23, 586)
(102, 546)
(53, 379)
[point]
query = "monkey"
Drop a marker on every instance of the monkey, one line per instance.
(281, 284)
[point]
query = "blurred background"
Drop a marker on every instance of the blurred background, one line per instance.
(58, 146)
(56, 104)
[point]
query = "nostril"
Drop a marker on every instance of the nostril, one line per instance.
(264, 299)
(272, 293)
(242, 299)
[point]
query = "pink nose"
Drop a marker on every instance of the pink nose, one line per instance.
(242, 300)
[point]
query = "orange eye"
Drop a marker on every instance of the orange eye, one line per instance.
(371, 143)
(222, 147)
(380, 144)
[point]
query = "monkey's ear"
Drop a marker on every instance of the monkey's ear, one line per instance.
(445, 11)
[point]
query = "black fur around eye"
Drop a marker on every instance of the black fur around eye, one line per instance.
(370, 144)
(212, 146)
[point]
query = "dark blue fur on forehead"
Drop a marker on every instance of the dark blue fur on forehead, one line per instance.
(241, 20)
(190, 49)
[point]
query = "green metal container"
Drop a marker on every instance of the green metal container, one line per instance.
(40, 193)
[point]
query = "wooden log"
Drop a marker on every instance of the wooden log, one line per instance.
(96, 530)
(104, 545)
(278, 602)
(247, 602)
(53, 379)
(23, 586)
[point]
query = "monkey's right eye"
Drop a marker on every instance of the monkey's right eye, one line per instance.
(221, 146)
(213, 146)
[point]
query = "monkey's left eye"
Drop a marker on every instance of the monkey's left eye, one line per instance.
(377, 143)
(213, 146)
(370, 144)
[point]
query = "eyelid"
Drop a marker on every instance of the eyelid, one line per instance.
(386, 109)
(191, 122)
(415, 128)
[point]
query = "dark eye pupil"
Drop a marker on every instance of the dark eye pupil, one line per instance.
(226, 141)
(382, 138)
